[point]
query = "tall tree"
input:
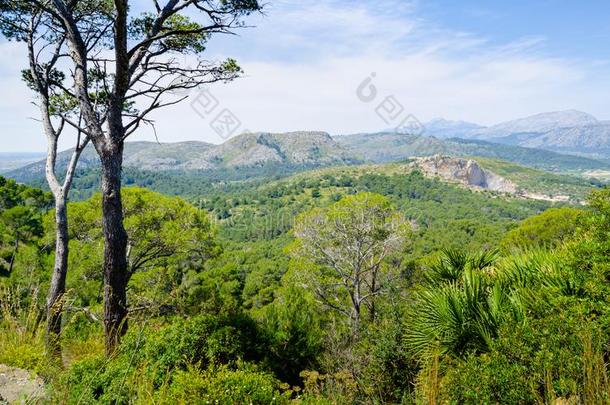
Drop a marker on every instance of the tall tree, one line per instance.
(45, 43)
(123, 68)
(342, 250)
(169, 241)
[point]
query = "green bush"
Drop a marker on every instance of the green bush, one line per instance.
(538, 361)
(223, 385)
(548, 229)
(294, 332)
(152, 357)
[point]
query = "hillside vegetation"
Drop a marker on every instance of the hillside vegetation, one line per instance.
(530, 182)
(247, 293)
(260, 155)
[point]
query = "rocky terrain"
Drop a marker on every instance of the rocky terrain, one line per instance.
(18, 386)
(465, 171)
(246, 150)
(297, 148)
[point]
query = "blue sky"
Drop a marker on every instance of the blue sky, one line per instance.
(568, 28)
(480, 61)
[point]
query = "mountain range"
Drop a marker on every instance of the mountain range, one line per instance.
(541, 141)
(568, 131)
(306, 149)
(14, 160)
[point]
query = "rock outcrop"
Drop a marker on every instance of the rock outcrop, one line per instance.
(464, 171)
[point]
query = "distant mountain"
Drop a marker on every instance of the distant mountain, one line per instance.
(265, 155)
(389, 147)
(308, 149)
(539, 123)
(13, 160)
(568, 131)
(593, 139)
(442, 128)
(192, 168)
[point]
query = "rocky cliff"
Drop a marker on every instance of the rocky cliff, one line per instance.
(465, 171)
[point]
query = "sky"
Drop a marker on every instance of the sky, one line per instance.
(357, 66)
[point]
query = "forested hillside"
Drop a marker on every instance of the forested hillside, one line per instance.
(260, 155)
(193, 184)
(247, 293)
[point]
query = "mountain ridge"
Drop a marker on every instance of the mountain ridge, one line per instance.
(568, 131)
(312, 149)
(246, 150)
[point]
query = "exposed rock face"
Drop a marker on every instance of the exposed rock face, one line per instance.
(299, 148)
(465, 171)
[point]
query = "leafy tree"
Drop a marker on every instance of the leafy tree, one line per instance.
(21, 225)
(548, 229)
(168, 238)
(20, 220)
(340, 252)
(295, 333)
(25, 21)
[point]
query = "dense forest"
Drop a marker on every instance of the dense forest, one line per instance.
(325, 287)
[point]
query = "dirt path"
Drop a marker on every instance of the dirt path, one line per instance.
(18, 386)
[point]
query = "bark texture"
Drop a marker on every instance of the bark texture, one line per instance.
(58, 278)
(115, 247)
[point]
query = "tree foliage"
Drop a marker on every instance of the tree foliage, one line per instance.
(340, 251)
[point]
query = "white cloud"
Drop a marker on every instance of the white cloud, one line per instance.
(322, 95)
(305, 61)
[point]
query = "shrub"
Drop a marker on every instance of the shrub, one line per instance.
(548, 229)
(539, 361)
(150, 358)
(223, 385)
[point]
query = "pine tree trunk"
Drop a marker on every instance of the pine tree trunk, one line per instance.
(58, 279)
(115, 247)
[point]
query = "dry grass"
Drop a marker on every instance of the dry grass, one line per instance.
(596, 387)
(21, 330)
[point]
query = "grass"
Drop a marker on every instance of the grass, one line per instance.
(538, 181)
(22, 335)
(21, 331)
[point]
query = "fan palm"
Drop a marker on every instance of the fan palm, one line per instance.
(462, 308)
(453, 262)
